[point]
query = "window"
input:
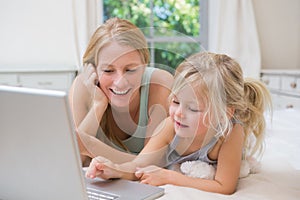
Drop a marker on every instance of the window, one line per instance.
(174, 29)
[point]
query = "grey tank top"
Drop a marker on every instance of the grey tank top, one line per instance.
(135, 143)
(173, 157)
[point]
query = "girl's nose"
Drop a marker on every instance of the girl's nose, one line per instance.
(179, 112)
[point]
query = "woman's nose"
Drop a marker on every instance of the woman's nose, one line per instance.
(121, 80)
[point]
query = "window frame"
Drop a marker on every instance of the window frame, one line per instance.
(153, 39)
(203, 32)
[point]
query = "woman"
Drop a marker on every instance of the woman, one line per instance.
(117, 101)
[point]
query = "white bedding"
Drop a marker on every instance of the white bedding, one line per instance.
(279, 178)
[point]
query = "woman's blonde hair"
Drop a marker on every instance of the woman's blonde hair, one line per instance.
(123, 32)
(220, 82)
(126, 34)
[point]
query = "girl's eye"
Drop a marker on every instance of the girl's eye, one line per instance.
(194, 110)
(175, 102)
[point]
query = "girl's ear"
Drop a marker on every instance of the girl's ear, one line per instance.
(230, 112)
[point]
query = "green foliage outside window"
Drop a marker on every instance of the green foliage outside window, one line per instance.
(170, 18)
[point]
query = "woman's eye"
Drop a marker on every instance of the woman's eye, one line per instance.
(107, 70)
(130, 70)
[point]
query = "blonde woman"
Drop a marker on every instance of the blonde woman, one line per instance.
(117, 100)
(213, 113)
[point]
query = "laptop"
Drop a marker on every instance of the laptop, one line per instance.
(39, 157)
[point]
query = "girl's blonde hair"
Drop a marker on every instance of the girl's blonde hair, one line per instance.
(126, 34)
(219, 80)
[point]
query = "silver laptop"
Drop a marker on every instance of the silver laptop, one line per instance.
(39, 157)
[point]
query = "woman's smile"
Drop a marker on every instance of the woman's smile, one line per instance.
(119, 92)
(120, 72)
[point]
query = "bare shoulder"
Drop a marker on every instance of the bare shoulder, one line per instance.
(162, 78)
(161, 83)
(237, 132)
(235, 138)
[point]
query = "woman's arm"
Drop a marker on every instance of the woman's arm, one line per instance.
(88, 103)
(83, 113)
(227, 173)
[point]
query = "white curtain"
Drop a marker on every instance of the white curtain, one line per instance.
(87, 15)
(232, 31)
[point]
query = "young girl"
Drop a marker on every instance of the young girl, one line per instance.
(213, 113)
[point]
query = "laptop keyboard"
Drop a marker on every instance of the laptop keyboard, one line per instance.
(94, 194)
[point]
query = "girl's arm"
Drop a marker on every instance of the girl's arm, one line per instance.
(153, 153)
(227, 173)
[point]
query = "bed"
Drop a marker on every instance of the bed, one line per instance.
(279, 177)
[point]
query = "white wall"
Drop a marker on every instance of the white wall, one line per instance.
(278, 23)
(36, 34)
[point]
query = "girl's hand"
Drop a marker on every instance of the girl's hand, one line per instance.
(153, 175)
(102, 168)
(90, 80)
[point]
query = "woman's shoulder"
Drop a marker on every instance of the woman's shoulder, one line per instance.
(161, 81)
(160, 76)
(160, 86)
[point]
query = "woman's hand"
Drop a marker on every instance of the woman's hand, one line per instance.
(90, 80)
(153, 175)
(102, 168)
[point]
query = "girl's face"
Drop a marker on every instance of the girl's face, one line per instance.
(120, 71)
(187, 112)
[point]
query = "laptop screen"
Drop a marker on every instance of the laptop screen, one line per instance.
(39, 154)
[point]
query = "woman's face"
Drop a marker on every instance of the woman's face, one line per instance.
(187, 112)
(120, 70)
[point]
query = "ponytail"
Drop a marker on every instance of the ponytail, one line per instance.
(258, 100)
